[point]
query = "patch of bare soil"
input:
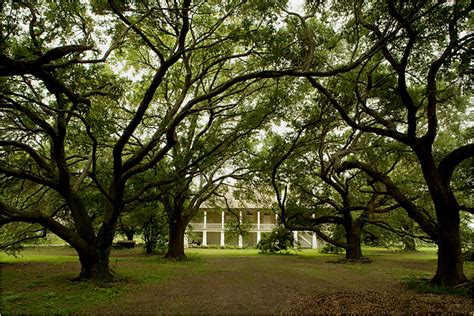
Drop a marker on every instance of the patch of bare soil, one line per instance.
(375, 303)
(233, 286)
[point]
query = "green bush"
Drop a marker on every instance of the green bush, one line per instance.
(155, 234)
(469, 255)
(329, 248)
(279, 240)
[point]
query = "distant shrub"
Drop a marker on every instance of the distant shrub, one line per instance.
(279, 240)
(469, 255)
(329, 248)
(155, 234)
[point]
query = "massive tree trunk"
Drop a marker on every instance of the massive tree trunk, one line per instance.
(177, 221)
(94, 266)
(93, 251)
(449, 271)
(95, 259)
(177, 228)
(353, 249)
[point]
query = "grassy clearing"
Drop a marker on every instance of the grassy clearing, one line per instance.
(39, 280)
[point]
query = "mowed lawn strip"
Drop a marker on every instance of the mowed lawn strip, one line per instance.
(210, 281)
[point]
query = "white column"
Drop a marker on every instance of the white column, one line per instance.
(222, 230)
(295, 237)
(314, 241)
(241, 240)
(259, 235)
(204, 232)
(186, 241)
(276, 219)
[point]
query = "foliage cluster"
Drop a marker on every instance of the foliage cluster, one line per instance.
(280, 240)
(155, 234)
(330, 248)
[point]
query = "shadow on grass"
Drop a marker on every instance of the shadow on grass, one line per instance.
(363, 260)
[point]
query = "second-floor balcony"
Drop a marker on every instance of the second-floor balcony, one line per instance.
(218, 227)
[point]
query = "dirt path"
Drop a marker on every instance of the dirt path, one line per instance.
(237, 285)
(265, 284)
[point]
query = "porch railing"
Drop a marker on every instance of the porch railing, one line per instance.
(218, 227)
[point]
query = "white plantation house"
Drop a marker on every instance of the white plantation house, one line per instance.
(210, 228)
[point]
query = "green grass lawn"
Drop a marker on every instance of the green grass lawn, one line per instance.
(39, 280)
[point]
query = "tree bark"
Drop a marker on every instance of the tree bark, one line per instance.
(449, 271)
(95, 263)
(94, 266)
(93, 251)
(353, 249)
(177, 230)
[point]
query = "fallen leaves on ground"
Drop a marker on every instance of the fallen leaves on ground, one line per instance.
(373, 302)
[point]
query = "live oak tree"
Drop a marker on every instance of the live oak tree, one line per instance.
(213, 148)
(411, 92)
(313, 196)
(44, 100)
